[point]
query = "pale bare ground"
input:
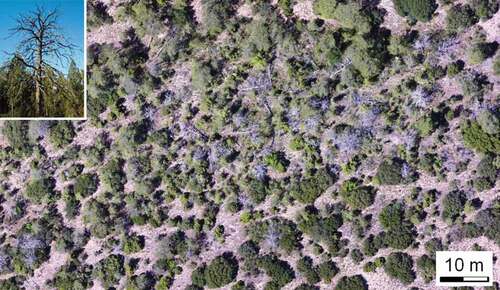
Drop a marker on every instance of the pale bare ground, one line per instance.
(198, 10)
(245, 10)
(392, 20)
(47, 270)
(108, 33)
(304, 10)
(492, 27)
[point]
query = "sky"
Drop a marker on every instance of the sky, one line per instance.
(71, 19)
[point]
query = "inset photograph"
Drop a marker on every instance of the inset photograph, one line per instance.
(42, 59)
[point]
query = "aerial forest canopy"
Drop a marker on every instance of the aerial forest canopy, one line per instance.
(30, 83)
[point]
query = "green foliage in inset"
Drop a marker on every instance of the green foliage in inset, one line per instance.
(392, 216)
(425, 126)
(420, 10)
(400, 266)
(327, 51)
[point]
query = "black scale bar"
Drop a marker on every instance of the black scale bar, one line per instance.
(468, 279)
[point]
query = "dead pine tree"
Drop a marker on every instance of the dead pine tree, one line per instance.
(42, 42)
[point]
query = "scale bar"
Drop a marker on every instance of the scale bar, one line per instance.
(468, 279)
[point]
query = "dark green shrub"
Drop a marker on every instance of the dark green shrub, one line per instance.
(357, 256)
(41, 190)
(357, 282)
(306, 287)
(198, 276)
(16, 133)
(97, 14)
(399, 238)
(327, 270)
(73, 276)
(453, 205)
(311, 186)
(474, 84)
(286, 6)
(426, 267)
(356, 195)
(496, 65)
(485, 9)
(327, 51)
(278, 270)
(390, 172)
(455, 68)
(489, 121)
(277, 161)
(215, 15)
(11, 283)
(201, 76)
(460, 17)
(391, 216)
(486, 168)
(477, 139)
(420, 10)
(85, 185)
(306, 267)
(112, 174)
(221, 271)
(110, 270)
(324, 8)
(62, 133)
(480, 51)
(133, 244)
(400, 266)
(321, 229)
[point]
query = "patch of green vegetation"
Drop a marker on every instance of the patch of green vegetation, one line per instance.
(356, 195)
(400, 266)
(476, 138)
(356, 282)
(416, 9)
(221, 271)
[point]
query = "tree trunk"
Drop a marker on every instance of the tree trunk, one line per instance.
(39, 110)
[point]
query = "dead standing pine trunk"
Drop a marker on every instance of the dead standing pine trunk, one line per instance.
(41, 40)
